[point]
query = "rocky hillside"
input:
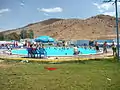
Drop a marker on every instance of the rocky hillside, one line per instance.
(97, 27)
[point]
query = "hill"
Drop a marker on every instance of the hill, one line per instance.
(96, 27)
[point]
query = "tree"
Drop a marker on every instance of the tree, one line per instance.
(1, 36)
(23, 34)
(31, 34)
(13, 36)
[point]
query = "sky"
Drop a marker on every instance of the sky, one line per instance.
(18, 13)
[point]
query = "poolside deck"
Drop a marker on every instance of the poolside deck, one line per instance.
(4, 56)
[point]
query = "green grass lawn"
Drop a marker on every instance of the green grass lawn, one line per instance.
(88, 75)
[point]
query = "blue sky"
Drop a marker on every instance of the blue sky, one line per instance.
(18, 13)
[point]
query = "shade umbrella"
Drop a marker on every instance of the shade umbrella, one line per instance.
(44, 39)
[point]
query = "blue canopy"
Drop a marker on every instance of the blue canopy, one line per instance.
(44, 39)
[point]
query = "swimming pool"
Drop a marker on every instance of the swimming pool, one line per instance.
(53, 51)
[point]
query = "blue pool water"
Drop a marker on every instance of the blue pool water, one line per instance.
(52, 51)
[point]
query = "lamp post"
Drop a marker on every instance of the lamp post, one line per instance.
(116, 13)
(116, 10)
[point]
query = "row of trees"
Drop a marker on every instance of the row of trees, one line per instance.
(24, 34)
(14, 36)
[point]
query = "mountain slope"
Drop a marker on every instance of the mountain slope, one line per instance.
(97, 27)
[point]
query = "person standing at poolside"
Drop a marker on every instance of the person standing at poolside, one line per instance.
(96, 46)
(113, 49)
(9, 49)
(105, 47)
(63, 45)
(66, 44)
(76, 52)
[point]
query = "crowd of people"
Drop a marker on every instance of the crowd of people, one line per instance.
(97, 48)
(75, 48)
(105, 46)
(36, 49)
(65, 45)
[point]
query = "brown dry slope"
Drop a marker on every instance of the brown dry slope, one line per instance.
(97, 27)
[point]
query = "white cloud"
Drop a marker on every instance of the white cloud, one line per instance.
(46, 14)
(101, 11)
(1, 29)
(107, 8)
(22, 4)
(38, 9)
(4, 10)
(109, 13)
(104, 6)
(51, 10)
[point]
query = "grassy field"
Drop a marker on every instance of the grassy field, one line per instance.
(88, 75)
